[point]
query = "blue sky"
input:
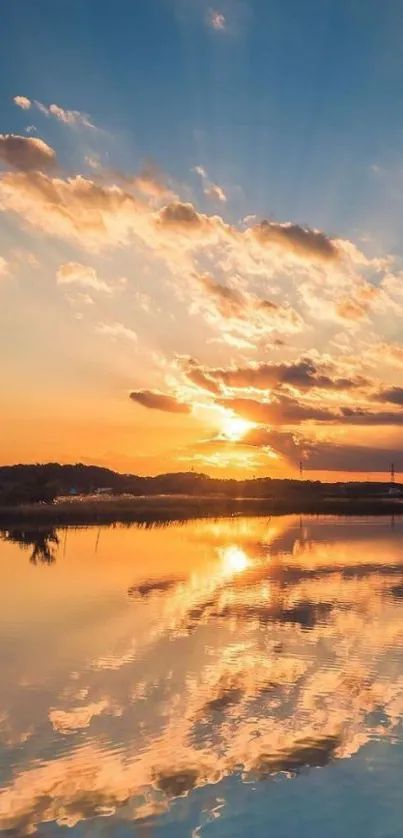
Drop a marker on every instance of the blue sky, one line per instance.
(291, 104)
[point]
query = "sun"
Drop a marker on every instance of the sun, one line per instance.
(235, 428)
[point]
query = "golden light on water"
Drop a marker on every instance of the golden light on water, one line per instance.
(235, 559)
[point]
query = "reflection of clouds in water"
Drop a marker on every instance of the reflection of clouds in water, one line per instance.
(265, 661)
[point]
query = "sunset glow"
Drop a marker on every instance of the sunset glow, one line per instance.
(180, 245)
(235, 428)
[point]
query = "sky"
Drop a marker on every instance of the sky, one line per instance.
(201, 236)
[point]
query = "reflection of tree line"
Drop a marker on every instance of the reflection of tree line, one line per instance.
(41, 542)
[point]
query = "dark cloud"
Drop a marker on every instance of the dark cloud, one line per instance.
(159, 401)
(278, 411)
(392, 395)
(361, 416)
(196, 375)
(283, 410)
(26, 153)
(303, 374)
(303, 241)
(325, 456)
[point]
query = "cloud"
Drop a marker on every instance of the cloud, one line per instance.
(244, 311)
(71, 118)
(73, 273)
(75, 208)
(217, 21)
(304, 374)
(152, 183)
(182, 219)
(277, 411)
(197, 376)
(201, 171)
(392, 395)
(283, 410)
(26, 153)
(212, 190)
(159, 401)
(311, 244)
(392, 353)
(320, 455)
(22, 102)
(116, 330)
(215, 192)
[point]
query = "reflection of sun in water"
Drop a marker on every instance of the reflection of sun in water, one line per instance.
(235, 428)
(235, 559)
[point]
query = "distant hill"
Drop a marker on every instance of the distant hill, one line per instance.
(44, 482)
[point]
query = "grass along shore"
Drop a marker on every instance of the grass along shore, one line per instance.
(165, 508)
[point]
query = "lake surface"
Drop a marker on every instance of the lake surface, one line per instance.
(220, 678)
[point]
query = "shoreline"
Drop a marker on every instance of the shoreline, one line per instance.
(175, 508)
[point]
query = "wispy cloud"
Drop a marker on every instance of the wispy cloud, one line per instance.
(215, 192)
(67, 117)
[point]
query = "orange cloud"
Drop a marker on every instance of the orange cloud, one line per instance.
(25, 153)
(22, 102)
(159, 401)
(75, 208)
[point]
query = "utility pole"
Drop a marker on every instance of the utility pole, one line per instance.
(392, 473)
(301, 469)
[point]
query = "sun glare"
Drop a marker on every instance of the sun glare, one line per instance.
(235, 428)
(235, 559)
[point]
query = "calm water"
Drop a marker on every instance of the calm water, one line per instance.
(231, 678)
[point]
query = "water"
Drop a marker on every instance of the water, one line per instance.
(228, 678)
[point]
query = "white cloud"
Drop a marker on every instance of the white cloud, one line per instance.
(217, 21)
(215, 192)
(73, 273)
(200, 170)
(72, 118)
